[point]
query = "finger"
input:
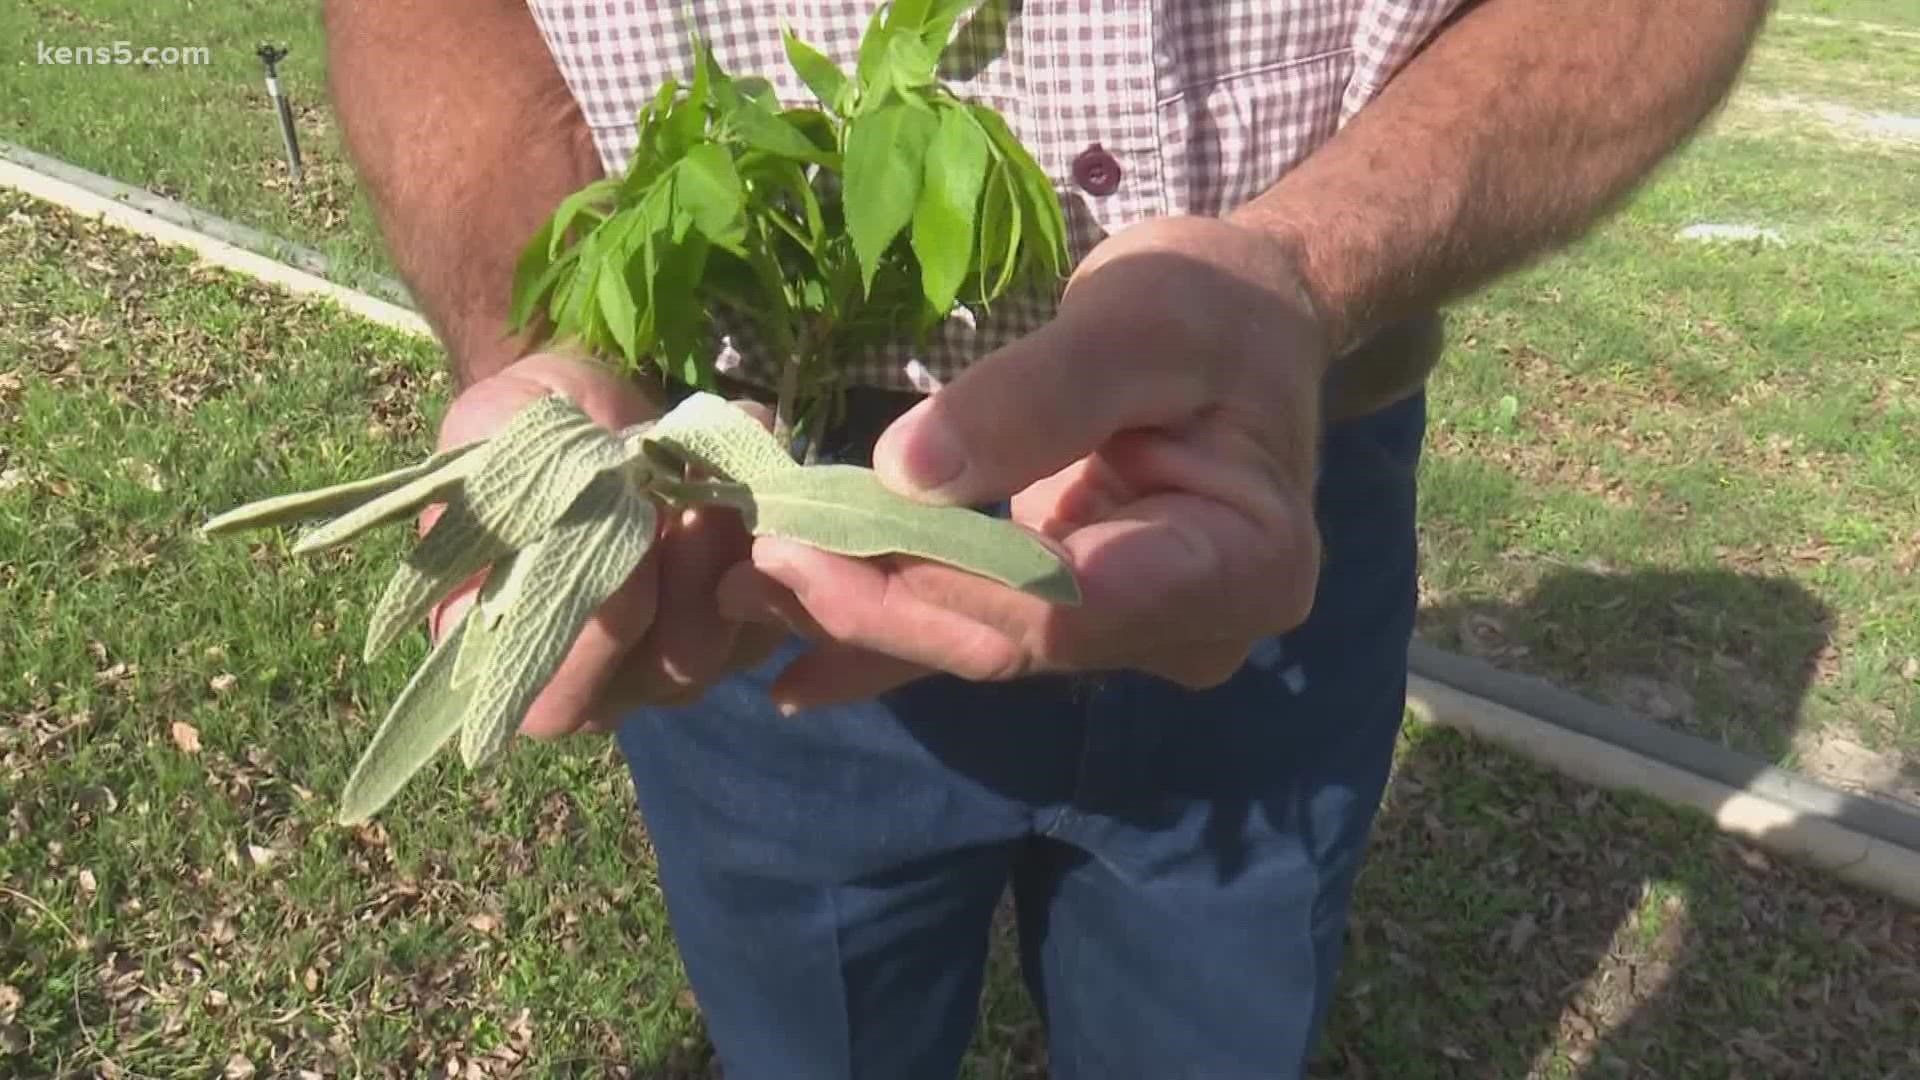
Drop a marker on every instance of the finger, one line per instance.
(1084, 492)
(836, 673)
(1030, 409)
(691, 641)
(611, 400)
(571, 696)
(865, 603)
(749, 596)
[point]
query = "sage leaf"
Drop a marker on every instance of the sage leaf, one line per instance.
(956, 169)
(845, 509)
(502, 586)
(454, 550)
(885, 152)
(539, 463)
(422, 719)
(567, 575)
(720, 437)
(339, 498)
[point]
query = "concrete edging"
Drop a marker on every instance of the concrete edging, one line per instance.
(161, 219)
(1866, 842)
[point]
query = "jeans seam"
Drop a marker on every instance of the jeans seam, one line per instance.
(840, 965)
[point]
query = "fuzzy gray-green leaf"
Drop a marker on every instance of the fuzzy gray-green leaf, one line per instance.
(567, 575)
(541, 461)
(455, 549)
(421, 721)
(845, 509)
(720, 437)
(334, 499)
(503, 584)
(529, 473)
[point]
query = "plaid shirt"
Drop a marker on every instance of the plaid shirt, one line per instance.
(1136, 108)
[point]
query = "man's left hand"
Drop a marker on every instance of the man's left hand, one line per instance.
(1162, 431)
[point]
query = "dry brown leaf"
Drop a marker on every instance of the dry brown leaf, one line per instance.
(261, 856)
(223, 682)
(10, 1001)
(186, 737)
(239, 1067)
(87, 882)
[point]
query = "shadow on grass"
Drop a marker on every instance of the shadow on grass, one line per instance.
(1513, 923)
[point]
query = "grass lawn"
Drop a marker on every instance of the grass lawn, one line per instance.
(181, 713)
(203, 134)
(1680, 477)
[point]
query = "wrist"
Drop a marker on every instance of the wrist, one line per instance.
(1292, 248)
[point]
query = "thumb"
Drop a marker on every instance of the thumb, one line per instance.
(1030, 409)
(610, 399)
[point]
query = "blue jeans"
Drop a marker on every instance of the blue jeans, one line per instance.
(1180, 861)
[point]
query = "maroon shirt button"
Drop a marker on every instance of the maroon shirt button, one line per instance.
(1096, 171)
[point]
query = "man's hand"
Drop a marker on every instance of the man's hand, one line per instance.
(1162, 430)
(659, 639)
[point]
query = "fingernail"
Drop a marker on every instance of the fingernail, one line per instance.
(920, 451)
(788, 709)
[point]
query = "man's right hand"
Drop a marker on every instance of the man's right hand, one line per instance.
(660, 638)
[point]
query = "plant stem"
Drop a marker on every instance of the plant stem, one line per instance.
(785, 405)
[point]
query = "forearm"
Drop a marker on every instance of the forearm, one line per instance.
(465, 137)
(1518, 127)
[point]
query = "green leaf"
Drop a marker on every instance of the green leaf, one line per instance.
(572, 207)
(910, 63)
(680, 332)
(717, 435)
(437, 472)
(617, 308)
(422, 719)
(793, 180)
(885, 151)
(873, 49)
(999, 232)
(531, 272)
(708, 188)
(822, 76)
(453, 551)
(776, 134)
(1035, 194)
(937, 27)
(703, 74)
(907, 14)
(943, 233)
(845, 509)
(568, 574)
